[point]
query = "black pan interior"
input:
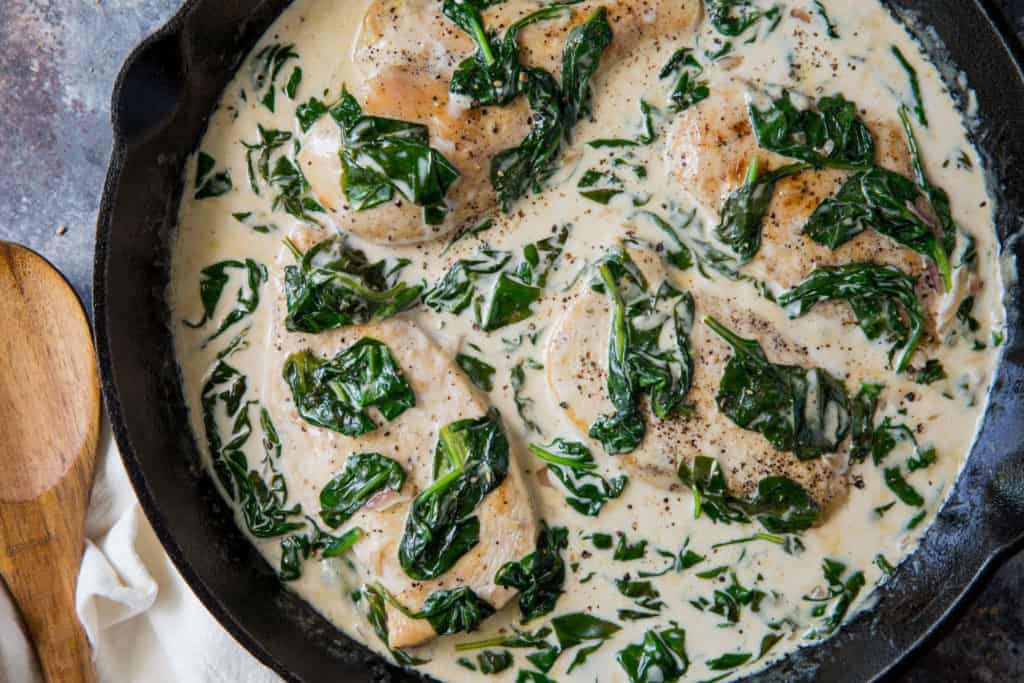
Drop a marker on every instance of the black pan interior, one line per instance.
(160, 108)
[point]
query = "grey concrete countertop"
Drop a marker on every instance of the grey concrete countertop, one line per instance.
(58, 61)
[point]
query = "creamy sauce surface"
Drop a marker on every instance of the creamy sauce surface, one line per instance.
(797, 55)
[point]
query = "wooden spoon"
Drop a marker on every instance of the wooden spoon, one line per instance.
(49, 423)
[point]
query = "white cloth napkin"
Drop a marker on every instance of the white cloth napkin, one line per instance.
(143, 621)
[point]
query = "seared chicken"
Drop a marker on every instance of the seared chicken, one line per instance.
(577, 367)
(508, 526)
(408, 50)
(709, 148)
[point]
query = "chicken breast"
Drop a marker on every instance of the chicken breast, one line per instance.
(408, 50)
(577, 371)
(508, 525)
(709, 148)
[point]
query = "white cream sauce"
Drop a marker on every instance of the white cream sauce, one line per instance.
(797, 55)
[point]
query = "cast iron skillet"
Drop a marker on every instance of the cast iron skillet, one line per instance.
(160, 107)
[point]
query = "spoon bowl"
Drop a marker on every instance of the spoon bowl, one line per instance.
(49, 425)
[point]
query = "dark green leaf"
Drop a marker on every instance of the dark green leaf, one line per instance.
(510, 300)
(637, 364)
(540, 576)
(780, 504)
(880, 296)
(687, 90)
(833, 607)
(931, 372)
(364, 476)
(262, 504)
(375, 599)
(266, 67)
(915, 86)
(659, 658)
(862, 420)
(728, 661)
(829, 26)
(903, 490)
(804, 411)
(626, 551)
(454, 292)
(299, 547)
(574, 466)
(733, 17)
(479, 372)
(831, 135)
(938, 198)
(381, 156)
(580, 58)
(494, 662)
(578, 627)
(335, 393)
(209, 184)
(454, 611)
(515, 172)
(745, 208)
(293, 83)
(212, 281)
(471, 459)
(882, 200)
(335, 285)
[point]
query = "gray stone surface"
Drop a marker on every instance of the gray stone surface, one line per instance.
(58, 61)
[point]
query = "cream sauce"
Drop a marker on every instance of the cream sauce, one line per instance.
(797, 55)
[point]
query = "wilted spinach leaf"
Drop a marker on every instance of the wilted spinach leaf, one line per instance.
(862, 421)
(931, 373)
(804, 411)
(212, 281)
(687, 90)
(781, 505)
(381, 156)
(745, 208)
(903, 490)
(540, 576)
(829, 26)
(938, 198)
(915, 86)
(832, 135)
(729, 602)
(479, 372)
(261, 497)
(882, 200)
(455, 610)
(832, 608)
(511, 297)
(454, 292)
(876, 294)
(335, 393)
(733, 17)
(636, 362)
(659, 658)
(266, 67)
(492, 75)
(335, 285)
(471, 459)
(728, 661)
(299, 547)
(376, 599)
(208, 183)
(556, 109)
(364, 476)
(574, 466)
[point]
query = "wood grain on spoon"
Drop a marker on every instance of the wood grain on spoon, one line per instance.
(49, 424)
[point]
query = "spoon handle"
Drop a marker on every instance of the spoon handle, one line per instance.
(40, 552)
